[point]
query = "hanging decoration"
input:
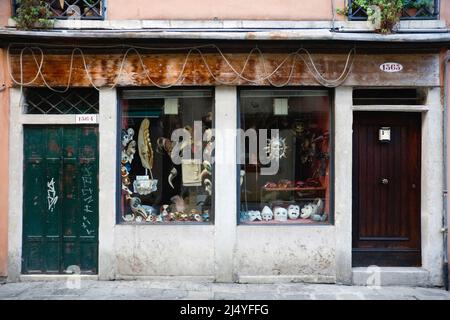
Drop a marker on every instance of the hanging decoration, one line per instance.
(290, 60)
(276, 148)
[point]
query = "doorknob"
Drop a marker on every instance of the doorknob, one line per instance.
(384, 181)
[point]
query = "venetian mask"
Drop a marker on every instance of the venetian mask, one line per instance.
(280, 214)
(293, 212)
(254, 215)
(266, 214)
(307, 210)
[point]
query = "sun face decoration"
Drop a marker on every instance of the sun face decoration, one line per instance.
(276, 148)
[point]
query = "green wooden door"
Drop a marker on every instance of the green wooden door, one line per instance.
(60, 199)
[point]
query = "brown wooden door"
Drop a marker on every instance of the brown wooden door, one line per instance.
(386, 189)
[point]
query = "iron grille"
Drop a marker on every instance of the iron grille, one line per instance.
(412, 10)
(74, 9)
(74, 101)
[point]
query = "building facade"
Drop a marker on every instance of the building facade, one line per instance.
(218, 142)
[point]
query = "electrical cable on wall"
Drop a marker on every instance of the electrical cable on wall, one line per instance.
(302, 54)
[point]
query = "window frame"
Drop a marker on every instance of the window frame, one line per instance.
(331, 218)
(118, 143)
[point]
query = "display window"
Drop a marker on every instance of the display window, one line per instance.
(289, 132)
(165, 150)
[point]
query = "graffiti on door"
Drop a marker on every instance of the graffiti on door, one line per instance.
(52, 198)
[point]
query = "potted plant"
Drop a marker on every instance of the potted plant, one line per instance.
(31, 14)
(383, 15)
(412, 7)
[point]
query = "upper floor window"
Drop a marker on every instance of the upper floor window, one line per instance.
(73, 9)
(412, 10)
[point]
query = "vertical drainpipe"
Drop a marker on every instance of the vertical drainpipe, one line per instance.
(445, 225)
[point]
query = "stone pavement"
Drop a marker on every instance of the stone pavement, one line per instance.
(169, 290)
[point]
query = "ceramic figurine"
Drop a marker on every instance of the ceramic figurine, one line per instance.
(280, 214)
(266, 214)
(254, 215)
(293, 212)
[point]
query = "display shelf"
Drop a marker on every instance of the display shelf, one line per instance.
(295, 189)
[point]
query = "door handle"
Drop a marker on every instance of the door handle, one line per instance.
(384, 181)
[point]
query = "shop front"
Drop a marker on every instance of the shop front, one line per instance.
(200, 163)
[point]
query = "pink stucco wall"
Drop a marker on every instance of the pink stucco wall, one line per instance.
(445, 11)
(223, 10)
(5, 12)
(4, 130)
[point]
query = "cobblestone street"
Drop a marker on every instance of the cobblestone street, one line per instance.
(168, 290)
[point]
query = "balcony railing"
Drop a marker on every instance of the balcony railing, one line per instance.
(413, 10)
(74, 9)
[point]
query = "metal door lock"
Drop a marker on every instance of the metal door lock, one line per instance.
(384, 181)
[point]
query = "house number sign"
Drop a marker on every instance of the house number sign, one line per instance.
(86, 118)
(391, 67)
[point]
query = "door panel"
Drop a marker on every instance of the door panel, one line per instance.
(60, 201)
(386, 189)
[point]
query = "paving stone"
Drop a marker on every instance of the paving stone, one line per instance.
(127, 290)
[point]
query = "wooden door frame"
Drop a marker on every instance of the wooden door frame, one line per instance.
(384, 256)
(431, 184)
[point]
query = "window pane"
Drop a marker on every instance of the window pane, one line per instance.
(285, 156)
(163, 181)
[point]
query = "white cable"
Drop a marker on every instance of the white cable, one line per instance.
(239, 75)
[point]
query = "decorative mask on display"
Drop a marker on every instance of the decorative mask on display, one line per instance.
(208, 186)
(254, 215)
(318, 214)
(243, 216)
(145, 145)
(207, 169)
(205, 216)
(276, 148)
(127, 136)
(293, 212)
(138, 210)
(143, 185)
(266, 214)
(280, 214)
(178, 203)
(164, 210)
(307, 211)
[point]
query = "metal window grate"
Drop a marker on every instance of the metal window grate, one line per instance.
(396, 96)
(412, 10)
(74, 9)
(74, 101)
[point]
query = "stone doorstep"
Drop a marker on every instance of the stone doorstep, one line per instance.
(54, 277)
(391, 276)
